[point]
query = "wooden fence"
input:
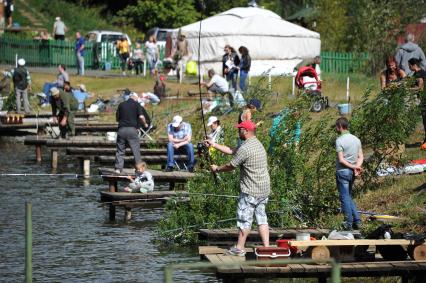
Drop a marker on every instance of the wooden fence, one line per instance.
(343, 62)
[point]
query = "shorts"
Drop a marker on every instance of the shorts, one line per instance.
(249, 205)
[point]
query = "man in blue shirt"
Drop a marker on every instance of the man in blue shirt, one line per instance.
(179, 134)
(79, 51)
(81, 95)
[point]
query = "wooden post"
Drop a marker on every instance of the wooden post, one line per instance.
(127, 213)
(54, 156)
(38, 153)
(86, 168)
(112, 186)
(417, 252)
(171, 185)
(111, 212)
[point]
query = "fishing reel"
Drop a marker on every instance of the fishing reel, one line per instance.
(202, 149)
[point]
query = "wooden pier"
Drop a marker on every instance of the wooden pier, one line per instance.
(172, 178)
(132, 200)
(236, 272)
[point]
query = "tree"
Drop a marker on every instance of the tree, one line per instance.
(158, 13)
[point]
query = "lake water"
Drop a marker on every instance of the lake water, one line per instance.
(73, 241)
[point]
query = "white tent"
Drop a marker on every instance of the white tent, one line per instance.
(272, 42)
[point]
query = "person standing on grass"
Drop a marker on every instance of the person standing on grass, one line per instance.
(8, 11)
(79, 52)
(420, 75)
(251, 159)
(152, 54)
(130, 115)
(348, 165)
(124, 51)
(59, 29)
(407, 51)
(244, 67)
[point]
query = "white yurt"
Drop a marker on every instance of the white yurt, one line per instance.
(275, 45)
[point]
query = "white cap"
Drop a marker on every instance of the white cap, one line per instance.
(54, 90)
(83, 87)
(211, 120)
(133, 94)
(21, 62)
(176, 121)
(58, 18)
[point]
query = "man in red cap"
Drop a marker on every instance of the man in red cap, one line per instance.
(251, 158)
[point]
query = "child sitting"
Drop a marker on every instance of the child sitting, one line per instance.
(143, 181)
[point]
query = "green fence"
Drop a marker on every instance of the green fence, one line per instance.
(49, 53)
(42, 53)
(343, 62)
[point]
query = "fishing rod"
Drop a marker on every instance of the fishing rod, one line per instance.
(207, 153)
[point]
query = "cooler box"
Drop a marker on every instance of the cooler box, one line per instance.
(272, 253)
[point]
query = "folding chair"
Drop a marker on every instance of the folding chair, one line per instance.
(144, 133)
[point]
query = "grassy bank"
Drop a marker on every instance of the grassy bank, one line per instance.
(401, 196)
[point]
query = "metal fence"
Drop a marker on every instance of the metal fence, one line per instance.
(343, 62)
(104, 55)
(47, 53)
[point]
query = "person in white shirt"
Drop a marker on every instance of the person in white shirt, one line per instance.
(217, 85)
(152, 53)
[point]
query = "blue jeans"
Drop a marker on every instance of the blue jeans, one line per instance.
(243, 78)
(46, 91)
(345, 181)
(80, 64)
(188, 149)
(232, 77)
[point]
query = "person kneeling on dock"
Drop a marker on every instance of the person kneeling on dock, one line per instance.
(66, 104)
(251, 158)
(143, 181)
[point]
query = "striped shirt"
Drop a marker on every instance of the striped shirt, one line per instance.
(252, 160)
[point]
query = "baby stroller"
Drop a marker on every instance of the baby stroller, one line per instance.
(307, 81)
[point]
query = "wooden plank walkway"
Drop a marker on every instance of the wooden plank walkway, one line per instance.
(112, 151)
(109, 175)
(237, 271)
(228, 235)
(149, 159)
(132, 200)
(85, 141)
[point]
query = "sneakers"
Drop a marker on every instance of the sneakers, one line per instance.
(357, 225)
(168, 169)
(127, 189)
(236, 251)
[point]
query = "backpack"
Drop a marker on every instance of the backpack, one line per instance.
(20, 78)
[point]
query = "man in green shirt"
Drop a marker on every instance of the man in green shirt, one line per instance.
(64, 105)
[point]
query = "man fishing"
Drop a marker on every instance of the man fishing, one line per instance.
(251, 157)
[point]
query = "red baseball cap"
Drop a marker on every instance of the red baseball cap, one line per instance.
(248, 125)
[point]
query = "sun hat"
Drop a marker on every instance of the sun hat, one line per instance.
(248, 125)
(21, 62)
(83, 87)
(176, 121)
(211, 120)
(256, 103)
(54, 90)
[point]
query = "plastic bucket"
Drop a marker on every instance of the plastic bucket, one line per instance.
(107, 66)
(345, 108)
(111, 136)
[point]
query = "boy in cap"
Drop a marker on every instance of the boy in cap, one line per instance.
(22, 83)
(64, 106)
(251, 158)
(179, 134)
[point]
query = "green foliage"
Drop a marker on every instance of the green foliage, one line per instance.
(158, 13)
(384, 123)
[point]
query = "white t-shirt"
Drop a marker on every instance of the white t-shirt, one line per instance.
(220, 83)
(151, 48)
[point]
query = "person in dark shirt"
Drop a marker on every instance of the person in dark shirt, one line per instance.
(130, 116)
(420, 76)
(64, 106)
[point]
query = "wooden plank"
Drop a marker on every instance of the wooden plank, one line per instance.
(204, 250)
(399, 242)
(405, 265)
(213, 258)
(296, 268)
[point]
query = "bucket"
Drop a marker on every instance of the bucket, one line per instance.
(345, 108)
(303, 237)
(111, 136)
(283, 243)
(107, 66)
